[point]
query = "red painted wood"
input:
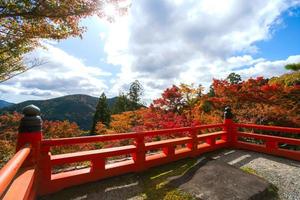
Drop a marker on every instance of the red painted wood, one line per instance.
(90, 155)
(194, 145)
(88, 139)
(270, 128)
(77, 177)
(44, 169)
(166, 143)
(270, 138)
(23, 186)
(34, 139)
(139, 155)
(8, 172)
(209, 126)
(102, 138)
(294, 155)
(211, 135)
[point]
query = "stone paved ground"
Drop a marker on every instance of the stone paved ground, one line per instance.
(283, 173)
(217, 180)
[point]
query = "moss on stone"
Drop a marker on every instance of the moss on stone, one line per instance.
(155, 181)
(249, 170)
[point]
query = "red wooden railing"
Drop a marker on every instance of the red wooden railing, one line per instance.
(8, 174)
(270, 144)
(175, 144)
(191, 144)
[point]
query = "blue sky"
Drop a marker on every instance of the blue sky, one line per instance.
(165, 42)
(285, 40)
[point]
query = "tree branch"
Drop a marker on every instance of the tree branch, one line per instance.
(25, 70)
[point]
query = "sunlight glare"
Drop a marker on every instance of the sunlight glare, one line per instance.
(110, 10)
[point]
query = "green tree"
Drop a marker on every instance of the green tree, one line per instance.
(24, 22)
(135, 92)
(122, 104)
(293, 66)
(102, 113)
(211, 92)
(234, 78)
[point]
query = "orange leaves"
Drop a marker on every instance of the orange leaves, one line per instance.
(60, 129)
(101, 129)
(121, 122)
(9, 124)
(257, 100)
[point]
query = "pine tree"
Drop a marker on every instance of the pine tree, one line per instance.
(102, 113)
(135, 93)
(121, 104)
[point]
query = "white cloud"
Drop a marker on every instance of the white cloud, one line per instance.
(61, 75)
(268, 68)
(165, 42)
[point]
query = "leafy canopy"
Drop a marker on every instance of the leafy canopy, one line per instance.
(24, 22)
(234, 78)
(293, 67)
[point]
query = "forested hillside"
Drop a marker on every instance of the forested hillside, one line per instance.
(74, 108)
(4, 104)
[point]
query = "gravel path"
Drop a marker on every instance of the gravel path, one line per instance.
(283, 173)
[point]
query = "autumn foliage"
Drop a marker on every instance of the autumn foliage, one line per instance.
(256, 100)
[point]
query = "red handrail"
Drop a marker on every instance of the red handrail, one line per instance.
(269, 128)
(8, 172)
(120, 136)
(270, 143)
(87, 139)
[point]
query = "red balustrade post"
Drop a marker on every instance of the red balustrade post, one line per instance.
(169, 151)
(30, 133)
(98, 166)
(211, 141)
(193, 145)
(140, 155)
(44, 170)
(271, 146)
(230, 128)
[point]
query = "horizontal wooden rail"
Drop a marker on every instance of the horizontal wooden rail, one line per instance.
(270, 138)
(9, 171)
(181, 130)
(88, 139)
(166, 143)
(214, 134)
(269, 128)
(270, 144)
(121, 136)
(92, 154)
(184, 143)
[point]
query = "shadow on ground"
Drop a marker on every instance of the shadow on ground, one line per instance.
(154, 184)
(151, 184)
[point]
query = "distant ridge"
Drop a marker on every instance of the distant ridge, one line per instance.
(4, 104)
(77, 108)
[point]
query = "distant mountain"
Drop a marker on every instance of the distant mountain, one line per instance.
(4, 104)
(75, 108)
